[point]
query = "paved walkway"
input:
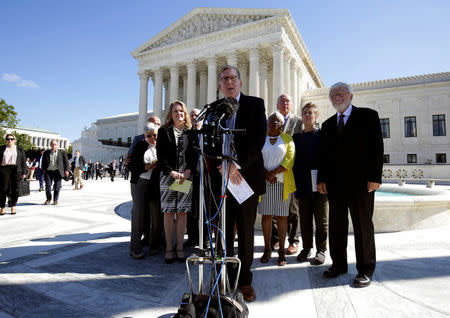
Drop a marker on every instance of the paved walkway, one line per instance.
(72, 261)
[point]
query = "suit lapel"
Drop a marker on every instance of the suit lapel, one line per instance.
(351, 119)
(239, 111)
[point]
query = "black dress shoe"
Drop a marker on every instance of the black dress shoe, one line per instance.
(362, 280)
(304, 254)
(137, 255)
(333, 272)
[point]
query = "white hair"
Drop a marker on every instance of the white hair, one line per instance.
(276, 115)
(150, 127)
(340, 84)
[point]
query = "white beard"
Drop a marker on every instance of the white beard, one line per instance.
(340, 108)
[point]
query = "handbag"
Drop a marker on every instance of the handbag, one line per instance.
(24, 187)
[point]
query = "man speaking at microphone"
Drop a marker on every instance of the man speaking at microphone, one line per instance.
(251, 117)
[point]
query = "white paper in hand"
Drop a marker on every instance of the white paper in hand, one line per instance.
(240, 192)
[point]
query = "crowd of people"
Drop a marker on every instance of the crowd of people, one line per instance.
(303, 178)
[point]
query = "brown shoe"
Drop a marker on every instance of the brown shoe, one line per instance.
(2, 211)
(248, 293)
(292, 249)
(13, 210)
(55, 202)
(47, 202)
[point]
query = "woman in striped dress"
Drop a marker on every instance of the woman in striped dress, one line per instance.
(278, 154)
(176, 160)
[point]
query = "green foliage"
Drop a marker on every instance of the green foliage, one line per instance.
(69, 152)
(22, 140)
(8, 116)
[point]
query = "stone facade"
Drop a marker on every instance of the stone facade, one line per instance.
(419, 97)
(184, 59)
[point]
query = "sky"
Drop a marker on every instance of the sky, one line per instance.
(65, 64)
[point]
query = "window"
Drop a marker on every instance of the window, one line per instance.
(386, 159)
(410, 126)
(129, 140)
(441, 158)
(439, 125)
(384, 122)
(411, 158)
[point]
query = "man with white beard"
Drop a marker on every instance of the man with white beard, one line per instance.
(350, 169)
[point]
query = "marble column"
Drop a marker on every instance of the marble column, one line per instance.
(212, 80)
(263, 84)
(184, 88)
(299, 86)
(232, 58)
(143, 101)
(254, 72)
(277, 78)
(191, 85)
(174, 82)
(203, 90)
(287, 75)
(167, 100)
(243, 69)
(294, 88)
(157, 93)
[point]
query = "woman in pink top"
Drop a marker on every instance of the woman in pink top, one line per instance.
(13, 167)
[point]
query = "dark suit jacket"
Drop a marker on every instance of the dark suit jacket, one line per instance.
(62, 161)
(349, 161)
(137, 166)
(82, 163)
(166, 150)
(250, 116)
(21, 161)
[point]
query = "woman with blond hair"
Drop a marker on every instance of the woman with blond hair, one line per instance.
(176, 160)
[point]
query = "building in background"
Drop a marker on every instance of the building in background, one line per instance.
(41, 138)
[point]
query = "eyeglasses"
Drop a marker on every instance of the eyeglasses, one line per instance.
(10, 138)
(228, 78)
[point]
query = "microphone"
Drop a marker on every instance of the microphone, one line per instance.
(228, 107)
(202, 114)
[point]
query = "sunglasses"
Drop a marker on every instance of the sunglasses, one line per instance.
(10, 138)
(153, 135)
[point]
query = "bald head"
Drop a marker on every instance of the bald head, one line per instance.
(155, 120)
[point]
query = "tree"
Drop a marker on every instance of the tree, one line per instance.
(8, 116)
(8, 119)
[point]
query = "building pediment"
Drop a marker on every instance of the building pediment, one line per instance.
(206, 21)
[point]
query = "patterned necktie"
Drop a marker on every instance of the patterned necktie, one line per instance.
(341, 124)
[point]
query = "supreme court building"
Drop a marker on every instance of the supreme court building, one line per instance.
(182, 62)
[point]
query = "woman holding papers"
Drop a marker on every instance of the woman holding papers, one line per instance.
(278, 154)
(311, 203)
(145, 192)
(176, 160)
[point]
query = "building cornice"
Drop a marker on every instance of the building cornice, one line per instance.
(388, 83)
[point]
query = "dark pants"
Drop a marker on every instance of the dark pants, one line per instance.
(9, 181)
(40, 176)
(243, 216)
(314, 206)
(112, 174)
(145, 204)
(293, 223)
(98, 174)
(52, 176)
(361, 205)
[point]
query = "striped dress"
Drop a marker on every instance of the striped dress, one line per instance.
(174, 201)
(272, 201)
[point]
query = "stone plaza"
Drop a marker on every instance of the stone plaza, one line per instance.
(73, 261)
